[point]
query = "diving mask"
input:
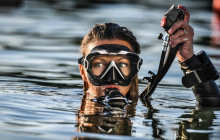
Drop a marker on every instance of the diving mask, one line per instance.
(111, 64)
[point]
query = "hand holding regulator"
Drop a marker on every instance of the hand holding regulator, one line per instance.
(205, 72)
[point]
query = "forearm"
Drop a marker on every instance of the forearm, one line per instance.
(200, 75)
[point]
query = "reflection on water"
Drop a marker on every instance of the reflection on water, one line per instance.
(95, 118)
(200, 120)
(41, 94)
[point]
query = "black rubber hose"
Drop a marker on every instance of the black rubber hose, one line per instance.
(152, 85)
(171, 54)
(163, 69)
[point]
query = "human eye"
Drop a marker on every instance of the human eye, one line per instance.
(123, 65)
(98, 65)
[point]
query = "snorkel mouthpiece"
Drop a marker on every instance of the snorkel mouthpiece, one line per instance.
(113, 99)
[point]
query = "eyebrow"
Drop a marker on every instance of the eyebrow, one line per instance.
(105, 60)
(100, 59)
(122, 58)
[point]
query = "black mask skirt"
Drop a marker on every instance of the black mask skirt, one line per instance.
(111, 64)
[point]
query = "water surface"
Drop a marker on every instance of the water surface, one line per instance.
(41, 94)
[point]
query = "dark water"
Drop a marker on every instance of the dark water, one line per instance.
(41, 88)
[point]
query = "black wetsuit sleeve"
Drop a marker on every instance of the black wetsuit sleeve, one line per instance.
(206, 93)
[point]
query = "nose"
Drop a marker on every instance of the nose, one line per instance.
(113, 75)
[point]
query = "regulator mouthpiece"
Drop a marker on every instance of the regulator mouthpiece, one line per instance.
(113, 99)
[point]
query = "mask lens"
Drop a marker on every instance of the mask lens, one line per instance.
(123, 64)
(101, 63)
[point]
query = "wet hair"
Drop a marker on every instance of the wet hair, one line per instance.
(109, 31)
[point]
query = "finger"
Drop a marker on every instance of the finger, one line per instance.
(177, 25)
(178, 34)
(187, 14)
(184, 39)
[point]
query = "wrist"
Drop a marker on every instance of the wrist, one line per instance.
(198, 69)
(190, 64)
(183, 55)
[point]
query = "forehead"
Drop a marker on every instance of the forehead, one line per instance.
(108, 57)
(102, 42)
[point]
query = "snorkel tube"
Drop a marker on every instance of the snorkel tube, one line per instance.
(168, 52)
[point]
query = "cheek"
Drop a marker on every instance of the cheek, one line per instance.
(124, 89)
(95, 90)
